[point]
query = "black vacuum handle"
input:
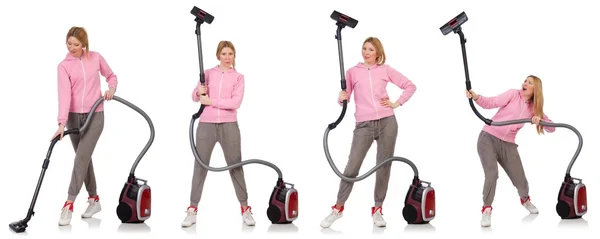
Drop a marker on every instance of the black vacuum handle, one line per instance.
(342, 21)
(201, 17)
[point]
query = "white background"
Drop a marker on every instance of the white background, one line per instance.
(289, 57)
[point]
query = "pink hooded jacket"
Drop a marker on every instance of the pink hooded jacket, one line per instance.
(368, 85)
(512, 107)
(226, 91)
(79, 84)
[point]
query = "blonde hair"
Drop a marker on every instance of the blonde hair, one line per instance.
(222, 46)
(380, 59)
(538, 100)
(81, 34)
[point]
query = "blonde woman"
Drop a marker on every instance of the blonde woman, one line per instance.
(375, 121)
(496, 144)
(78, 89)
(222, 95)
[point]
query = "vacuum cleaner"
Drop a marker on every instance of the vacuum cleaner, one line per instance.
(419, 204)
(572, 196)
(283, 202)
(135, 200)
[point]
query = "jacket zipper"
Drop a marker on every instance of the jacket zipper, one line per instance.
(84, 84)
(219, 98)
(372, 94)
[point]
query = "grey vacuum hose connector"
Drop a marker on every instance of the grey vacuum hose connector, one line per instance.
(230, 167)
(558, 125)
(367, 174)
(127, 103)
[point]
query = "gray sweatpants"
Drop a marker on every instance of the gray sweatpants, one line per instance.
(84, 145)
(493, 151)
(384, 131)
(228, 136)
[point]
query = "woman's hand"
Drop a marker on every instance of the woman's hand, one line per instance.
(388, 103)
(343, 96)
(472, 95)
(108, 95)
(60, 131)
(536, 120)
(205, 100)
(201, 90)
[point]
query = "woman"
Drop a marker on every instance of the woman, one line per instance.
(496, 144)
(224, 92)
(79, 87)
(375, 121)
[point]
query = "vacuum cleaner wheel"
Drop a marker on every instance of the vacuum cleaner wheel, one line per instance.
(124, 212)
(274, 214)
(563, 209)
(409, 212)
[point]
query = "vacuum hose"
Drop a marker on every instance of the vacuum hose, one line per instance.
(230, 167)
(368, 173)
(558, 125)
(132, 106)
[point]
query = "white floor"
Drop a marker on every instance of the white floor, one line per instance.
(508, 221)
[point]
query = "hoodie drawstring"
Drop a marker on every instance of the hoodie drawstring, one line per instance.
(376, 127)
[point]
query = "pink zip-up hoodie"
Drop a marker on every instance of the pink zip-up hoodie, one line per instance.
(79, 84)
(512, 107)
(368, 85)
(226, 91)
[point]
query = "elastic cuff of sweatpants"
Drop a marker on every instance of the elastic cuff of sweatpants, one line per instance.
(244, 203)
(378, 204)
(71, 197)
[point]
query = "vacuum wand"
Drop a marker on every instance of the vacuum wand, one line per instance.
(454, 25)
(342, 21)
(202, 17)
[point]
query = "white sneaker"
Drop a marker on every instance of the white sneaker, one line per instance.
(333, 216)
(66, 214)
(530, 207)
(377, 216)
(486, 217)
(93, 207)
(247, 217)
(190, 219)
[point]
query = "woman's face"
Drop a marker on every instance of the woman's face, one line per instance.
(74, 46)
(528, 86)
(369, 53)
(226, 57)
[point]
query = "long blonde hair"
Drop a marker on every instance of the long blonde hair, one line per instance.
(224, 44)
(380, 59)
(538, 100)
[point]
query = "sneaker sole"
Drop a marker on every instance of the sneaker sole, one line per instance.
(185, 226)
